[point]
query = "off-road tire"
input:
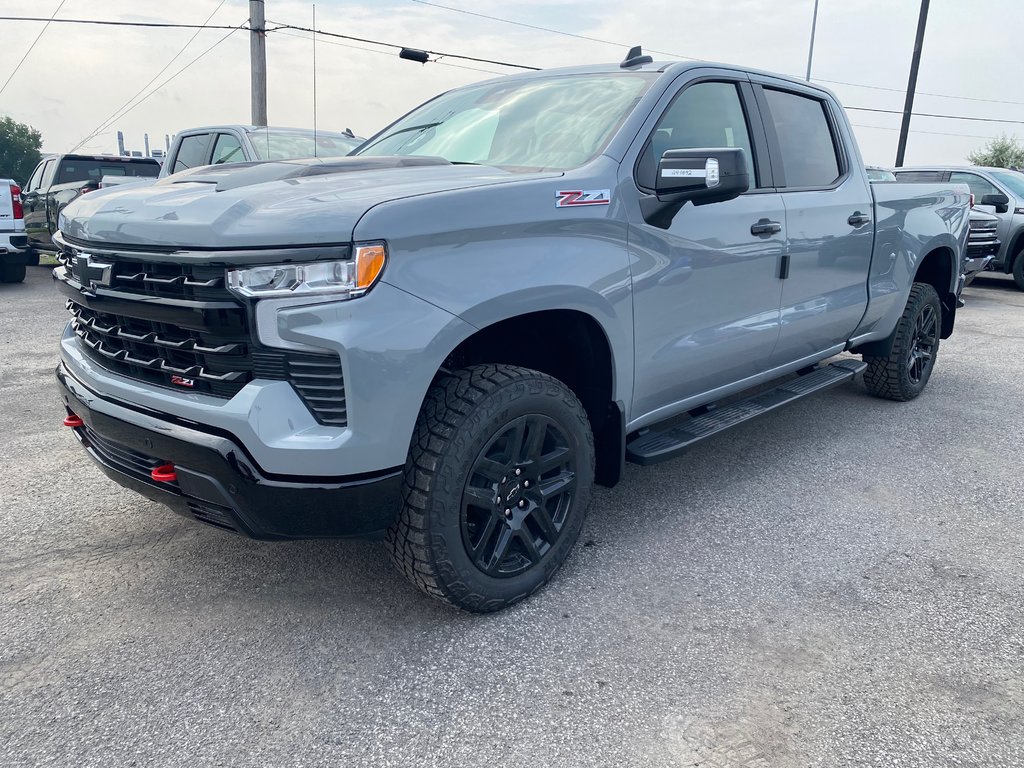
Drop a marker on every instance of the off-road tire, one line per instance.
(12, 273)
(461, 415)
(32, 259)
(889, 377)
(1018, 269)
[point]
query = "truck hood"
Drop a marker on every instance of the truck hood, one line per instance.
(255, 205)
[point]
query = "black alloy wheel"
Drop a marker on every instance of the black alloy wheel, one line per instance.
(518, 495)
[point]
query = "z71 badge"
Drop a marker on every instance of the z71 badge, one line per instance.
(571, 198)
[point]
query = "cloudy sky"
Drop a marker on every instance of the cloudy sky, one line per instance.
(78, 77)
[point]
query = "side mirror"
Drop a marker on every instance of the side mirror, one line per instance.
(999, 201)
(702, 176)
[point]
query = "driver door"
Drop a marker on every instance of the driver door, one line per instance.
(706, 289)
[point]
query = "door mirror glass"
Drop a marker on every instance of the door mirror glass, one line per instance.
(702, 175)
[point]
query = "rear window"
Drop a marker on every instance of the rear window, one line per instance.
(88, 169)
(805, 139)
(914, 176)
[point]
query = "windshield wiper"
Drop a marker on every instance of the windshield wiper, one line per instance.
(423, 127)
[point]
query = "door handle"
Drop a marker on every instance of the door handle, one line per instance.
(858, 219)
(765, 227)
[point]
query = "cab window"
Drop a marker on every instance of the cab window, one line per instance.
(192, 152)
(705, 115)
(806, 144)
(979, 186)
(227, 150)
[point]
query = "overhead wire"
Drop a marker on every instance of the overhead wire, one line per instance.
(21, 61)
(389, 54)
(134, 106)
(121, 110)
(104, 22)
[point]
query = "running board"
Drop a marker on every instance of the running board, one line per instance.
(655, 445)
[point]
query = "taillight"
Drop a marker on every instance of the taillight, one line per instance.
(19, 209)
(972, 199)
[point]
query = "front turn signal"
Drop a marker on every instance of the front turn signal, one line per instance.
(369, 260)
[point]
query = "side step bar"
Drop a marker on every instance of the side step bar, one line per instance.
(655, 445)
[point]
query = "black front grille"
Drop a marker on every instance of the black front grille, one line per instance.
(176, 325)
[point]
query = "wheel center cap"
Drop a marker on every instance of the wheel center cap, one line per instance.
(513, 494)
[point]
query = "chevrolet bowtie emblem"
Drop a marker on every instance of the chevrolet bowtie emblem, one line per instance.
(92, 273)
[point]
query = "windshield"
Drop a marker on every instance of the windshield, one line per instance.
(550, 123)
(89, 169)
(286, 145)
(1011, 179)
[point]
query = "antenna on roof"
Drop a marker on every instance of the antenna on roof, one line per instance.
(635, 58)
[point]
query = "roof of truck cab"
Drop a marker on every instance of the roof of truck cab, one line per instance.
(670, 68)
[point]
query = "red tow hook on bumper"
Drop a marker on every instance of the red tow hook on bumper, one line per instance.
(164, 473)
(71, 420)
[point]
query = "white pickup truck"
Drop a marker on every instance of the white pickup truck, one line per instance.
(13, 240)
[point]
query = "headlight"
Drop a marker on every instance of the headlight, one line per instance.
(347, 279)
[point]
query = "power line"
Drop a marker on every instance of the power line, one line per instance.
(169, 79)
(546, 29)
(381, 53)
(680, 56)
(22, 61)
(156, 24)
(399, 47)
(118, 112)
(944, 117)
(914, 130)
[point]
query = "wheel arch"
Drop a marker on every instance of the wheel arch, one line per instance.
(573, 347)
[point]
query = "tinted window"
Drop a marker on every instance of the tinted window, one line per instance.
(979, 186)
(805, 139)
(192, 152)
(705, 115)
(915, 176)
(88, 169)
(47, 178)
(1012, 179)
(227, 150)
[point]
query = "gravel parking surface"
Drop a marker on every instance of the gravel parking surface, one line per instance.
(837, 584)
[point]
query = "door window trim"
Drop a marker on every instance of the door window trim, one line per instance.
(755, 131)
(775, 148)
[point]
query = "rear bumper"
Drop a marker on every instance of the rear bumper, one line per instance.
(13, 243)
(217, 482)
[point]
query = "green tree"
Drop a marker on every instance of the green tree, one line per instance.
(1002, 152)
(19, 149)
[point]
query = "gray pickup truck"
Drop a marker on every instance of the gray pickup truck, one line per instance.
(449, 337)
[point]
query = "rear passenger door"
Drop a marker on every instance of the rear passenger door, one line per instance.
(828, 220)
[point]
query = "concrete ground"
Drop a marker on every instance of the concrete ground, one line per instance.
(838, 584)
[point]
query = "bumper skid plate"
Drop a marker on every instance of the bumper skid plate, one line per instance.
(215, 482)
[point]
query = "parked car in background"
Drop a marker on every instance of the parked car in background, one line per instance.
(1000, 188)
(13, 240)
(877, 173)
(217, 145)
(450, 335)
(982, 244)
(59, 179)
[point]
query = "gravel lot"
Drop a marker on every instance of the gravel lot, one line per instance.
(838, 584)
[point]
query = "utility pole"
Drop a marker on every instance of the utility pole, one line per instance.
(258, 57)
(915, 63)
(810, 49)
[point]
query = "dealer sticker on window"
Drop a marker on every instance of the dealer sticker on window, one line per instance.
(570, 198)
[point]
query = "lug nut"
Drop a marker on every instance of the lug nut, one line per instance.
(508, 513)
(526, 483)
(518, 472)
(522, 503)
(504, 479)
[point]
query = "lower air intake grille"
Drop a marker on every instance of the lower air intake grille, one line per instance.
(212, 514)
(317, 379)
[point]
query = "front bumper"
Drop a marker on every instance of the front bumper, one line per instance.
(217, 482)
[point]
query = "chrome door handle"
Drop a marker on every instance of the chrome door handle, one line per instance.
(765, 227)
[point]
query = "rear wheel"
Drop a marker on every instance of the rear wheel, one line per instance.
(496, 486)
(12, 273)
(903, 374)
(32, 259)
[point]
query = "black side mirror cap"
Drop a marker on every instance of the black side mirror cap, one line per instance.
(1000, 201)
(703, 176)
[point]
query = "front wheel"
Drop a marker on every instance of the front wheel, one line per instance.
(903, 374)
(497, 484)
(1018, 270)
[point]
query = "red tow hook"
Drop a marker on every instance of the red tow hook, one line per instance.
(164, 473)
(72, 420)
